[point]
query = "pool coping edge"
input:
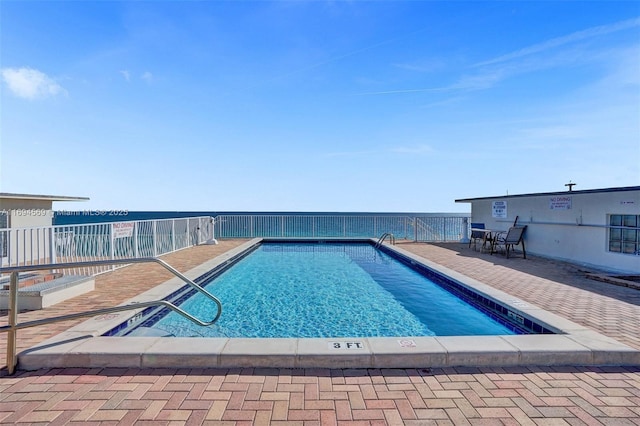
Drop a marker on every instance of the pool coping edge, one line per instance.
(82, 345)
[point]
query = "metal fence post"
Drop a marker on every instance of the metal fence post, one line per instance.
(111, 241)
(135, 239)
(24, 248)
(173, 235)
(405, 227)
(445, 227)
(12, 320)
(52, 245)
(154, 239)
(465, 230)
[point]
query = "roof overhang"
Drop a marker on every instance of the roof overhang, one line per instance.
(11, 196)
(544, 194)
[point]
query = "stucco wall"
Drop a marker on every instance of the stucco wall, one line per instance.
(578, 234)
(23, 213)
(26, 213)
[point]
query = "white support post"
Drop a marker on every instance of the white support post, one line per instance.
(24, 248)
(375, 226)
(154, 239)
(212, 240)
(12, 321)
(112, 241)
(52, 245)
(173, 235)
(135, 239)
(465, 231)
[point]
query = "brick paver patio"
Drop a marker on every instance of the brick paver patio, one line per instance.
(571, 395)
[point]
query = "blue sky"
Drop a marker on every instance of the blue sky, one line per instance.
(382, 106)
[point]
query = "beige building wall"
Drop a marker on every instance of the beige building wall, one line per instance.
(25, 213)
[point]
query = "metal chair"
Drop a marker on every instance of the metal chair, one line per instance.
(476, 235)
(513, 237)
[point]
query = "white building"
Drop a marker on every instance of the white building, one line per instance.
(597, 227)
(27, 211)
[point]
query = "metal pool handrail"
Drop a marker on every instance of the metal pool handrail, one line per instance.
(12, 317)
(392, 239)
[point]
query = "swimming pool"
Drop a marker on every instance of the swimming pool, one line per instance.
(329, 289)
(98, 342)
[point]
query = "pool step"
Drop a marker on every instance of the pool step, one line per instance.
(45, 293)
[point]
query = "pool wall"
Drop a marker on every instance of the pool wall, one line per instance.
(573, 344)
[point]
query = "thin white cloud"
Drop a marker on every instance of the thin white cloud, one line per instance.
(559, 41)
(483, 80)
(126, 74)
(349, 153)
(479, 81)
(495, 70)
(401, 91)
(349, 54)
(28, 83)
(471, 82)
(413, 150)
(554, 133)
(147, 76)
(422, 66)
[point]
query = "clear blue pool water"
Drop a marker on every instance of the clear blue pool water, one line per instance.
(310, 290)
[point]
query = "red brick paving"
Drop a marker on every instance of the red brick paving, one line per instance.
(450, 396)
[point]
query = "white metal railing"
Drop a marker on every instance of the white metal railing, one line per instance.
(431, 228)
(440, 229)
(151, 238)
(101, 241)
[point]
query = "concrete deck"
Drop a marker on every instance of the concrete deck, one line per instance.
(469, 395)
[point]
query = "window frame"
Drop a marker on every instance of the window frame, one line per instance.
(623, 236)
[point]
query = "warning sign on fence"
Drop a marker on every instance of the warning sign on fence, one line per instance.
(123, 229)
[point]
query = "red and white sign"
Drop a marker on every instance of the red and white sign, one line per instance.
(560, 203)
(123, 229)
(407, 343)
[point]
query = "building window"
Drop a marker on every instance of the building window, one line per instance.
(624, 233)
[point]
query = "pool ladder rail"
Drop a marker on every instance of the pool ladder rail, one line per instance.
(392, 239)
(12, 315)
